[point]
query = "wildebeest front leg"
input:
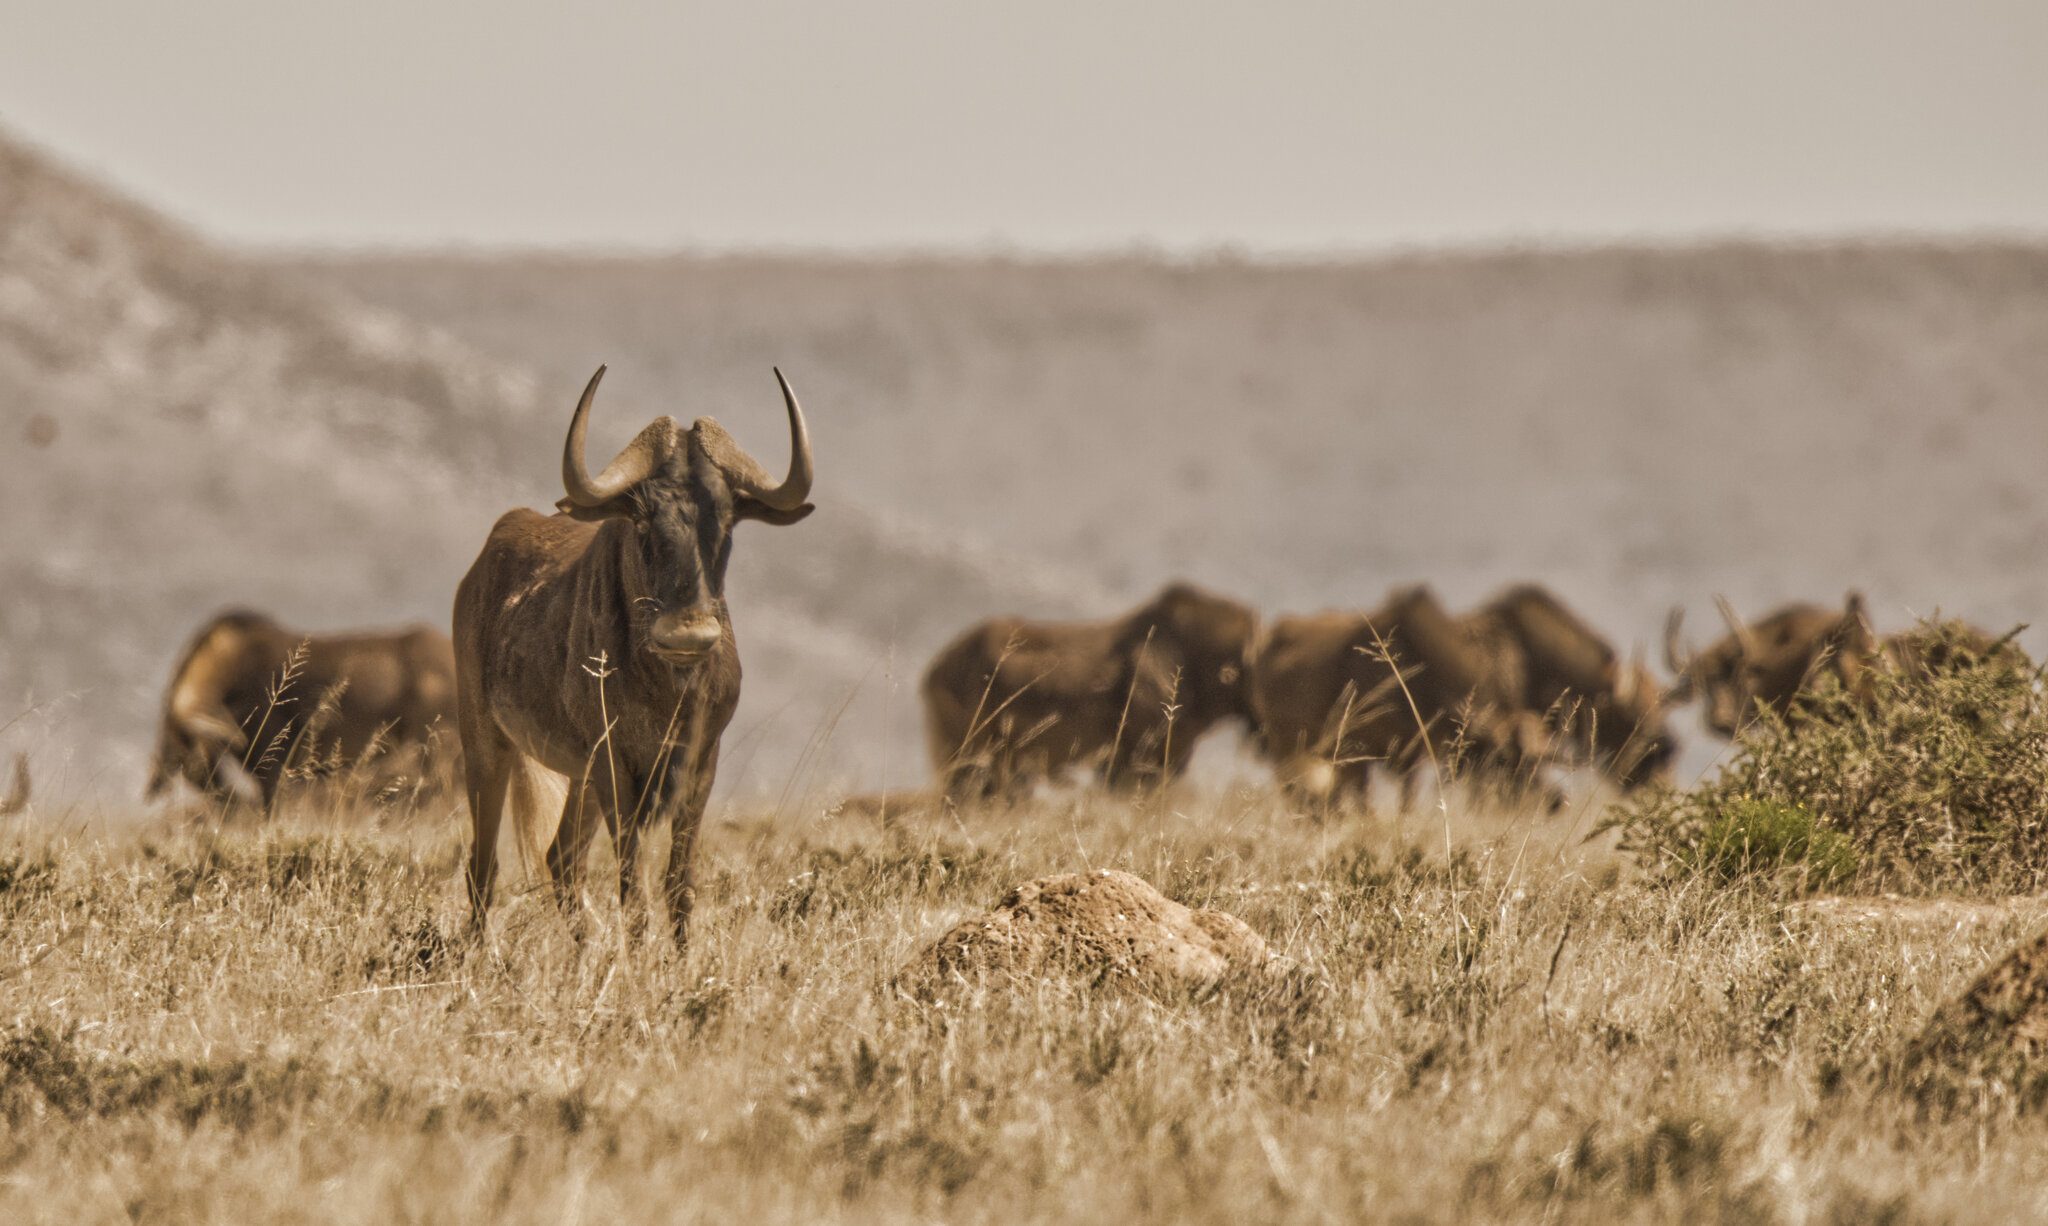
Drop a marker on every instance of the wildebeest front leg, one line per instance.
(966, 783)
(689, 791)
(628, 822)
(565, 854)
(1160, 758)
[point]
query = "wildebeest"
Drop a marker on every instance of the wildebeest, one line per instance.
(1770, 662)
(596, 644)
(1767, 665)
(1330, 704)
(250, 700)
(1600, 707)
(1011, 702)
(1943, 646)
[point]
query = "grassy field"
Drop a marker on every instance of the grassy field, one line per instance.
(239, 1023)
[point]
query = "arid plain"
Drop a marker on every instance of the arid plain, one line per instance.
(282, 1020)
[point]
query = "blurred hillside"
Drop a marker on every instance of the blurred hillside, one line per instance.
(185, 430)
(329, 438)
(1640, 427)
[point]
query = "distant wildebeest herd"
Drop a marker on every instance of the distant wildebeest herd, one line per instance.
(594, 645)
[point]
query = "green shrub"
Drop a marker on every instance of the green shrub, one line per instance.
(1752, 837)
(1935, 779)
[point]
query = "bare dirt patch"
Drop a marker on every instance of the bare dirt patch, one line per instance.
(1918, 912)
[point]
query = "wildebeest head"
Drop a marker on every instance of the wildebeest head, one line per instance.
(682, 491)
(1630, 729)
(1611, 708)
(198, 739)
(1216, 636)
(177, 757)
(1771, 662)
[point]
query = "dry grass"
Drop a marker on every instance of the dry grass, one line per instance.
(269, 1023)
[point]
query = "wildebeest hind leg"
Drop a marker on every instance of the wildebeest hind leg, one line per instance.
(488, 766)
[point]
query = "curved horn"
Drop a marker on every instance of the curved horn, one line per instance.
(199, 714)
(1676, 657)
(627, 469)
(1743, 638)
(743, 473)
(790, 494)
(1628, 681)
(1854, 611)
(235, 777)
(202, 725)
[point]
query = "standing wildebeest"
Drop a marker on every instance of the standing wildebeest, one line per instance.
(1601, 708)
(250, 699)
(1012, 701)
(596, 644)
(1330, 703)
(1769, 663)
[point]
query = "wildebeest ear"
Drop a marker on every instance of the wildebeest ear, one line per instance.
(616, 508)
(749, 508)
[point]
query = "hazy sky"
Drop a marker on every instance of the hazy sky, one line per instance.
(1043, 124)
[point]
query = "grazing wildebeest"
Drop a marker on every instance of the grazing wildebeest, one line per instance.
(1599, 707)
(1330, 704)
(1011, 702)
(1947, 645)
(250, 700)
(1769, 663)
(595, 643)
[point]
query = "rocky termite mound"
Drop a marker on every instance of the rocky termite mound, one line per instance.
(1101, 929)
